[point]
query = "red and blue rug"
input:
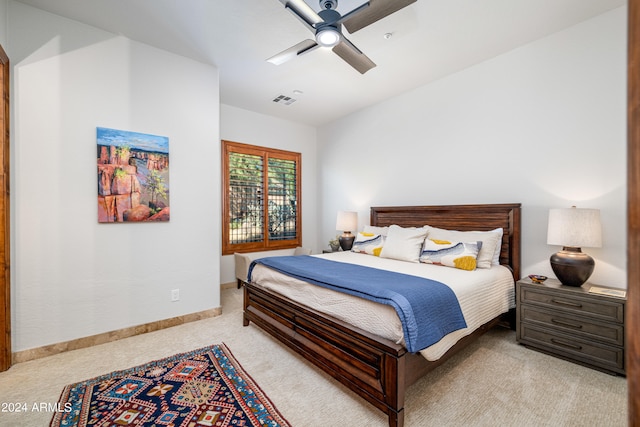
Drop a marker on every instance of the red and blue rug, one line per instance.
(205, 387)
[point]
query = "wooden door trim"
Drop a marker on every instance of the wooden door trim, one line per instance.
(5, 236)
(633, 215)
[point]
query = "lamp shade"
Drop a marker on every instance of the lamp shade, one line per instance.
(347, 221)
(574, 227)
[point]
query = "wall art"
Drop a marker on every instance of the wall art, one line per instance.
(133, 176)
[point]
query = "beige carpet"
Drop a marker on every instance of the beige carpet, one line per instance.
(494, 382)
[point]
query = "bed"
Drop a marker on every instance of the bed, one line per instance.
(380, 369)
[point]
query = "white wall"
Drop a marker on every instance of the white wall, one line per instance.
(3, 23)
(544, 125)
(252, 128)
(73, 277)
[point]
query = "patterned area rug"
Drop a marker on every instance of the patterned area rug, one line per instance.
(205, 387)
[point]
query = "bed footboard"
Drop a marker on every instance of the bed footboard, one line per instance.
(370, 366)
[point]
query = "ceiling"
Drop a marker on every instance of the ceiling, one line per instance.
(429, 39)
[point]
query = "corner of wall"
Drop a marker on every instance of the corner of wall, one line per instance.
(3, 23)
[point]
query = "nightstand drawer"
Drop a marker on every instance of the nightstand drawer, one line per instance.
(606, 310)
(610, 333)
(574, 348)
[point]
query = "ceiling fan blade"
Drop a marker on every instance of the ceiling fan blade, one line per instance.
(353, 56)
(304, 12)
(293, 52)
(377, 10)
(354, 12)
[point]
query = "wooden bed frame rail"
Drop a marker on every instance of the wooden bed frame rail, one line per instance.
(367, 364)
(377, 369)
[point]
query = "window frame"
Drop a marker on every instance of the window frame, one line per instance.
(266, 244)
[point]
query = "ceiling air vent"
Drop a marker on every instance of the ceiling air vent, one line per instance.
(285, 100)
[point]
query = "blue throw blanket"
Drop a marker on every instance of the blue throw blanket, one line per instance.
(428, 309)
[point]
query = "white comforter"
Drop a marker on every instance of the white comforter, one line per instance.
(483, 294)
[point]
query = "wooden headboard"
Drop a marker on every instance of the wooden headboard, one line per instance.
(463, 218)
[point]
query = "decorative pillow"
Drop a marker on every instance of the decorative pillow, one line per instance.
(376, 230)
(451, 254)
(496, 254)
(404, 244)
(368, 243)
(491, 242)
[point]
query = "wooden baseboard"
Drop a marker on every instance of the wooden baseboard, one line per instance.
(230, 285)
(50, 350)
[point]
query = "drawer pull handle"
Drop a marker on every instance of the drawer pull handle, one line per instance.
(568, 324)
(566, 344)
(569, 303)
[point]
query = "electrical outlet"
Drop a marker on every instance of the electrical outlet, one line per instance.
(175, 295)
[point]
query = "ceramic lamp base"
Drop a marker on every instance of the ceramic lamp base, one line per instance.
(346, 241)
(571, 266)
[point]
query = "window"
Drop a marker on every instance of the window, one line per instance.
(261, 198)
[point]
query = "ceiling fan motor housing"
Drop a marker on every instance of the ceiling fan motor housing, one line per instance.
(329, 16)
(328, 33)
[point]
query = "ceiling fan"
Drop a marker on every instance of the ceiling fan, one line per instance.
(327, 25)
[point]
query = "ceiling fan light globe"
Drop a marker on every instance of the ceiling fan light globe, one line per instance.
(328, 37)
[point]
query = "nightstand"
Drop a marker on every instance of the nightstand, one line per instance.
(572, 323)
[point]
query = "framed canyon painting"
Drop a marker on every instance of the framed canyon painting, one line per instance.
(133, 176)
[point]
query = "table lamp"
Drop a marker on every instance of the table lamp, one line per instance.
(346, 222)
(573, 228)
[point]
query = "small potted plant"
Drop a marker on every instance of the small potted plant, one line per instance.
(334, 244)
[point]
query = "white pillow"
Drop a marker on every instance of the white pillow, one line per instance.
(404, 244)
(491, 242)
(376, 230)
(496, 254)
